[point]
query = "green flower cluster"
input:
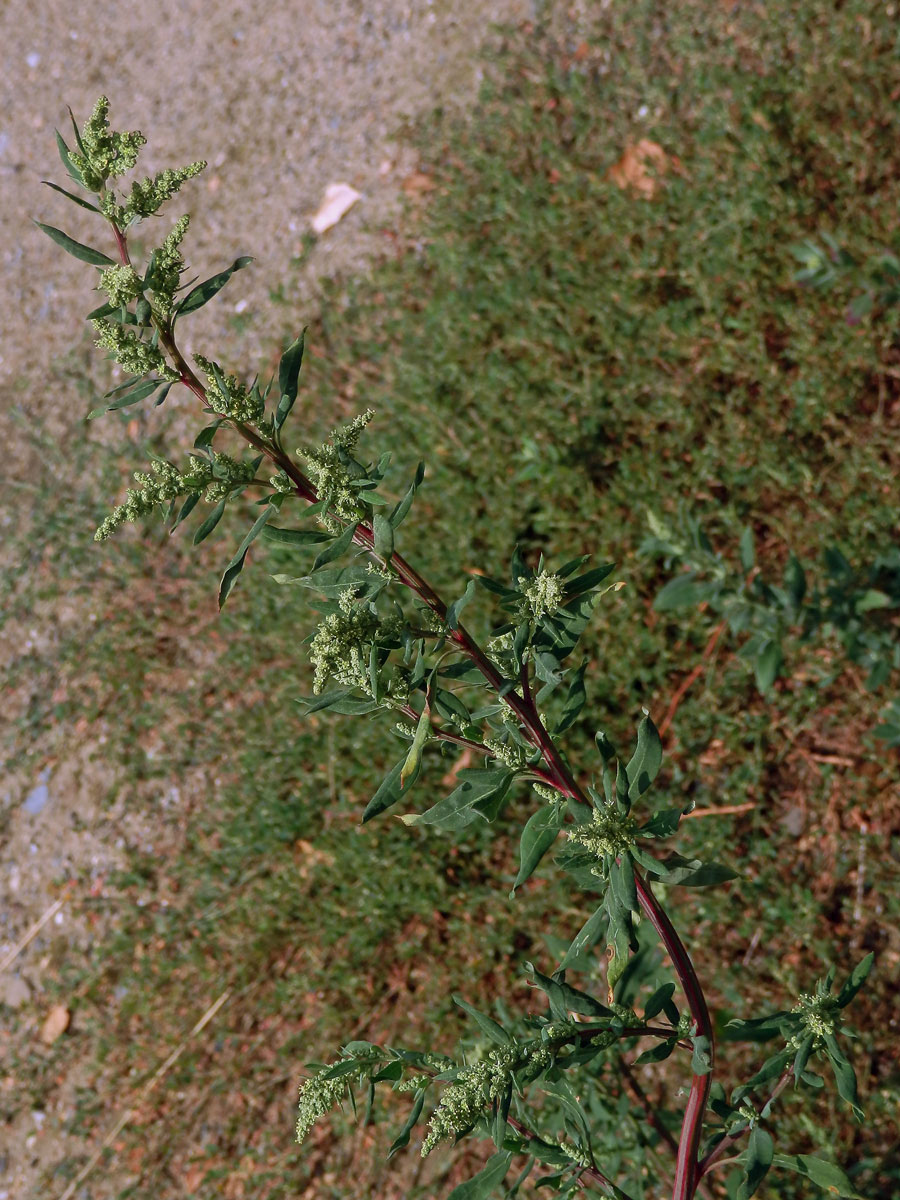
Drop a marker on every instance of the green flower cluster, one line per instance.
(106, 152)
(333, 469)
(121, 284)
(607, 834)
(148, 195)
(342, 643)
(227, 396)
(134, 355)
(541, 596)
(219, 475)
(317, 1097)
(167, 265)
(464, 1100)
(819, 1015)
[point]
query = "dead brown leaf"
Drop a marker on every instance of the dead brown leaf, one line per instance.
(641, 168)
(418, 183)
(55, 1024)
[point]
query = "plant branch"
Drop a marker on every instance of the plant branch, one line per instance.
(715, 1155)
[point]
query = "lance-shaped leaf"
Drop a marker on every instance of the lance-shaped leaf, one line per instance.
(493, 1029)
(77, 249)
(590, 933)
(480, 795)
(406, 503)
(482, 1185)
(388, 792)
(757, 1161)
(383, 536)
(234, 568)
(687, 872)
(684, 592)
(331, 583)
(564, 998)
(645, 762)
(211, 522)
(141, 392)
(540, 832)
(204, 292)
(576, 699)
(71, 196)
(858, 977)
(457, 606)
(829, 1177)
(296, 537)
(67, 162)
(339, 546)
(414, 757)
(288, 379)
(402, 1138)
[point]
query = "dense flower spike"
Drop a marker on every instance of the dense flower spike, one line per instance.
(464, 1100)
(106, 153)
(333, 469)
(167, 265)
(121, 284)
(129, 351)
(225, 394)
(318, 1096)
(147, 196)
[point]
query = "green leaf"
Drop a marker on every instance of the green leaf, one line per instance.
(406, 503)
(826, 1175)
(402, 1138)
(688, 872)
(590, 579)
(858, 977)
(590, 933)
(540, 832)
(621, 878)
(658, 1001)
(645, 762)
(844, 1075)
(71, 195)
(388, 793)
(558, 634)
(767, 664)
(384, 536)
(337, 547)
(340, 700)
(493, 1029)
(414, 757)
(701, 1059)
(288, 379)
(683, 592)
(747, 551)
(210, 523)
(658, 1053)
(204, 292)
(140, 393)
(664, 823)
(76, 249)
(757, 1160)
(295, 537)
(482, 1184)
(236, 565)
(458, 605)
(770, 1069)
(331, 583)
(576, 699)
(66, 157)
(564, 998)
(186, 509)
(480, 794)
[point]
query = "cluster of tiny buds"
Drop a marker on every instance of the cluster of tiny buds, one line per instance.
(147, 196)
(414, 1084)
(227, 396)
(330, 472)
(464, 1100)
(136, 356)
(542, 596)
(281, 483)
(508, 753)
(121, 284)
(548, 793)
(317, 1097)
(818, 1015)
(607, 834)
(105, 152)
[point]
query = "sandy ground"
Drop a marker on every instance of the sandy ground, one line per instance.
(282, 99)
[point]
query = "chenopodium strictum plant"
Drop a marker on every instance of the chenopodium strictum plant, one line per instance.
(557, 1087)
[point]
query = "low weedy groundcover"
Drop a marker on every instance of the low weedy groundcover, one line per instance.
(540, 1085)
